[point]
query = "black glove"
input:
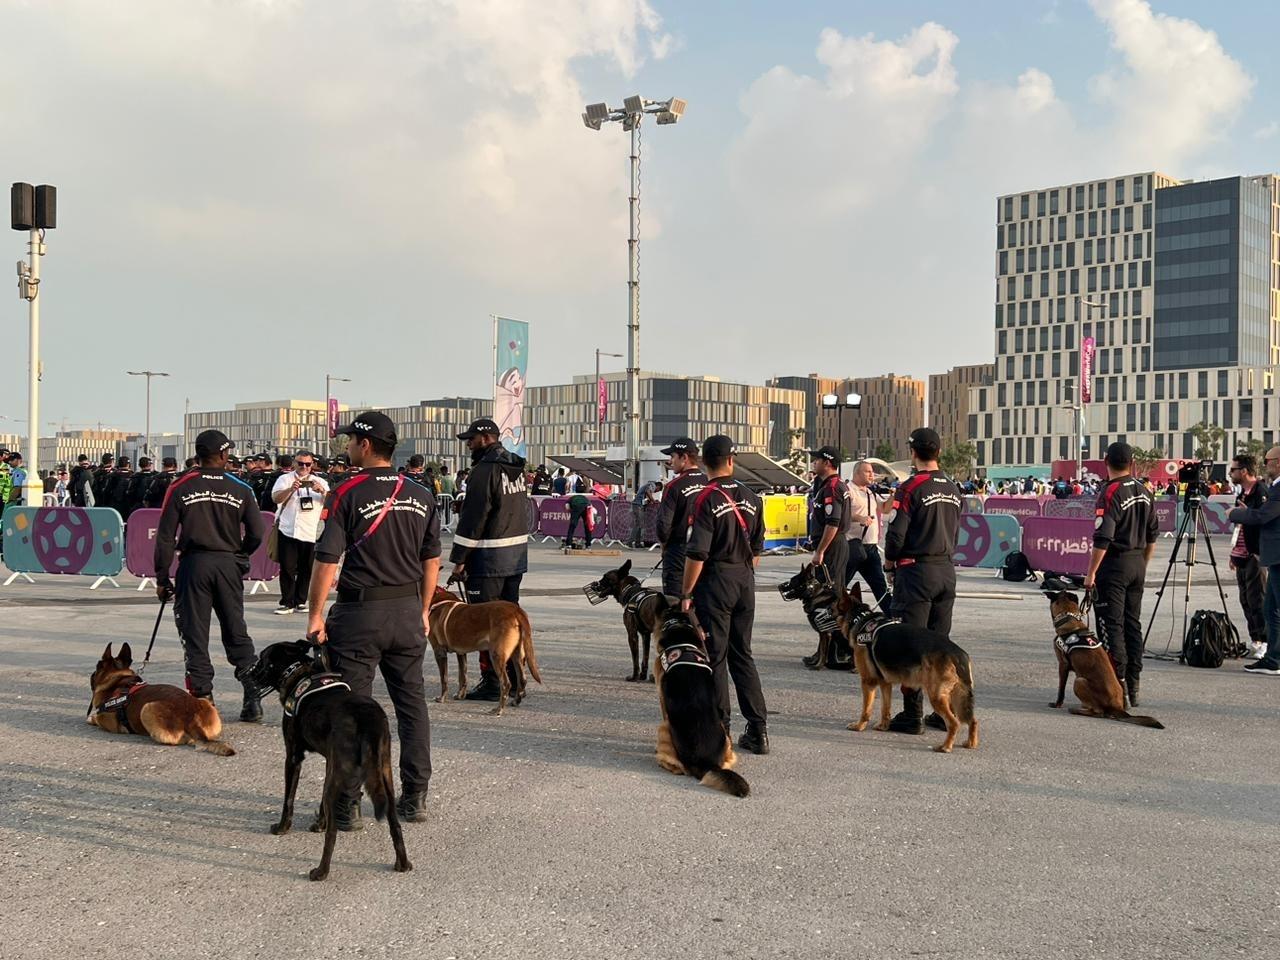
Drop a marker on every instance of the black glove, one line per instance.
(166, 590)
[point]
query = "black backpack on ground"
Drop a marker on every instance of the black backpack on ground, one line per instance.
(1211, 638)
(1016, 569)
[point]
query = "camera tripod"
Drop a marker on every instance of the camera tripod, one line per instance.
(1192, 528)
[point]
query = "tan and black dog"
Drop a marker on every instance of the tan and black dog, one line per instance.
(890, 652)
(1078, 649)
(641, 608)
(498, 626)
(122, 702)
(691, 738)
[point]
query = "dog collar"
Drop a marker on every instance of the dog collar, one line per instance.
(316, 683)
(684, 655)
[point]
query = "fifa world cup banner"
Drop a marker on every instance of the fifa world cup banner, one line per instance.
(1060, 544)
(1088, 345)
(1020, 507)
(510, 367)
(88, 541)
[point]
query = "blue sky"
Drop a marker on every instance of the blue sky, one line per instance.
(257, 191)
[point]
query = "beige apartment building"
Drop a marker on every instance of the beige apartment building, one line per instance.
(892, 406)
(949, 399)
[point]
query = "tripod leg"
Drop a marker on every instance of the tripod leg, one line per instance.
(1222, 594)
(1177, 545)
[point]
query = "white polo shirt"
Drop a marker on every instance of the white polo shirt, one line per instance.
(291, 519)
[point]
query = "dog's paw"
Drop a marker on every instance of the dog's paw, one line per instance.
(281, 828)
(882, 727)
(942, 748)
(1056, 705)
(633, 678)
(858, 725)
(440, 699)
(403, 866)
(460, 695)
(318, 873)
(495, 712)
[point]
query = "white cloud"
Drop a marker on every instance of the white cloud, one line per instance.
(1267, 131)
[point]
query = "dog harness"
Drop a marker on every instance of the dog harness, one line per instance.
(684, 655)
(635, 596)
(316, 683)
(1080, 640)
(119, 705)
(867, 633)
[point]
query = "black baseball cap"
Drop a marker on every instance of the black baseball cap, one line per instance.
(924, 438)
(1119, 455)
(170, 462)
(718, 446)
(483, 425)
(828, 453)
(371, 425)
(108, 458)
(83, 458)
(211, 442)
(683, 445)
(144, 461)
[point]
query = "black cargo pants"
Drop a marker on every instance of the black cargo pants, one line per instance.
(208, 585)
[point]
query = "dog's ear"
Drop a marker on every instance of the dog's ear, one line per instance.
(302, 646)
(625, 568)
(1053, 595)
(106, 654)
(125, 656)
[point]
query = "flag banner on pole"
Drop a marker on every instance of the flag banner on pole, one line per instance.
(602, 401)
(333, 417)
(511, 363)
(1086, 370)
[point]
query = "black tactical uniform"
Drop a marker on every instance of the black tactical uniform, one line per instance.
(673, 517)
(136, 494)
(203, 513)
(726, 532)
(1125, 523)
(159, 485)
(377, 623)
(829, 507)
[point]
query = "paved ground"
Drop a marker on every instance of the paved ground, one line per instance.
(554, 834)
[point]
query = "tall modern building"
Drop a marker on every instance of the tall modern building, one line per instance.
(1178, 287)
(949, 399)
(892, 406)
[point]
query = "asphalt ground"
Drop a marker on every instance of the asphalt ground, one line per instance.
(553, 832)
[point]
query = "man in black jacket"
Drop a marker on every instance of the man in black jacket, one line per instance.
(136, 491)
(80, 481)
(686, 483)
(159, 485)
(1251, 577)
(491, 541)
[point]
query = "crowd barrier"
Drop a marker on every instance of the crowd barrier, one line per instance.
(1060, 544)
(66, 541)
(553, 518)
(140, 545)
(984, 541)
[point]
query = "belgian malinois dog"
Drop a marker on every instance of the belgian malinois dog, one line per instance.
(641, 608)
(498, 626)
(691, 738)
(1078, 649)
(890, 652)
(122, 702)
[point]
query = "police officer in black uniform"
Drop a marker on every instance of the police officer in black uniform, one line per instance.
(1124, 538)
(678, 495)
(159, 485)
(203, 513)
(919, 547)
(725, 539)
(385, 529)
(829, 519)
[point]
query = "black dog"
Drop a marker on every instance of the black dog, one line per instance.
(812, 586)
(641, 609)
(322, 715)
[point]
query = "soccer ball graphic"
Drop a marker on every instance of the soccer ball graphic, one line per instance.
(63, 539)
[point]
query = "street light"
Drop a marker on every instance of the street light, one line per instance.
(599, 411)
(34, 209)
(1079, 391)
(323, 448)
(630, 115)
(146, 440)
(832, 401)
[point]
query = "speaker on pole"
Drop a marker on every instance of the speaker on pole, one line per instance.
(22, 206)
(46, 206)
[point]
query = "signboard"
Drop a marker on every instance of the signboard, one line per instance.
(510, 367)
(1088, 346)
(984, 541)
(140, 547)
(333, 417)
(65, 540)
(1012, 506)
(785, 518)
(602, 401)
(1060, 544)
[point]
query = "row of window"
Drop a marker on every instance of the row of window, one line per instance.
(1123, 304)
(1084, 195)
(1192, 241)
(1193, 211)
(1188, 271)
(1037, 258)
(1033, 232)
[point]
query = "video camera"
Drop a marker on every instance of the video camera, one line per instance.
(1196, 477)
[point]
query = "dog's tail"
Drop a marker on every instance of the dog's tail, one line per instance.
(219, 747)
(726, 781)
(1140, 721)
(377, 769)
(526, 643)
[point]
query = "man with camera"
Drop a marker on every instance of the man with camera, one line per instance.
(1251, 576)
(299, 498)
(1124, 538)
(1266, 517)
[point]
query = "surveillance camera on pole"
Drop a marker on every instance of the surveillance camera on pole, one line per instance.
(631, 115)
(34, 209)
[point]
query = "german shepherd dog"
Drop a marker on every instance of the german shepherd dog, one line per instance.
(1078, 649)
(641, 609)
(889, 652)
(122, 702)
(322, 715)
(498, 626)
(812, 586)
(691, 738)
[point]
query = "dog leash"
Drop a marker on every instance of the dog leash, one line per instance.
(462, 590)
(154, 630)
(651, 569)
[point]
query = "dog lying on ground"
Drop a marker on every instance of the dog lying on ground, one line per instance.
(691, 738)
(812, 586)
(498, 626)
(122, 702)
(641, 608)
(890, 652)
(322, 715)
(1078, 649)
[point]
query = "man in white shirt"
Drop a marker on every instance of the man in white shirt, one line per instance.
(865, 507)
(299, 497)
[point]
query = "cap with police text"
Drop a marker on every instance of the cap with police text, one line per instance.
(372, 425)
(211, 442)
(924, 438)
(683, 445)
(828, 453)
(718, 446)
(482, 426)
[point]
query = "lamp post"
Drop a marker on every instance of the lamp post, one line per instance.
(832, 401)
(322, 449)
(599, 413)
(34, 209)
(146, 440)
(1079, 397)
(630, 115)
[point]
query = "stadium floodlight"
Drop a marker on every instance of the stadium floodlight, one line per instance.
(634, 105)
(671, 111)
(598, 112)
(591, 124)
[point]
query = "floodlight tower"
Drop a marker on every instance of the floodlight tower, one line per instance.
(35, 210)
(632, 113)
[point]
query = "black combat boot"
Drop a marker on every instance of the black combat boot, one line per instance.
(935, 721)
(911, 719)
(412, 807)
(487, 689)
(755, 739)
(346, 814)
(1131, 683)
(251, 710)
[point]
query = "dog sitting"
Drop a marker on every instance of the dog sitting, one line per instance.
(890, 652)
(691, 738)
(641, 608)
(322, 715)
(122, 702)
(1078, 649)
(498, 626)
(812, 586)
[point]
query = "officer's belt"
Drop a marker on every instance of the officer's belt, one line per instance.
(908, 561)
(358, 595)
